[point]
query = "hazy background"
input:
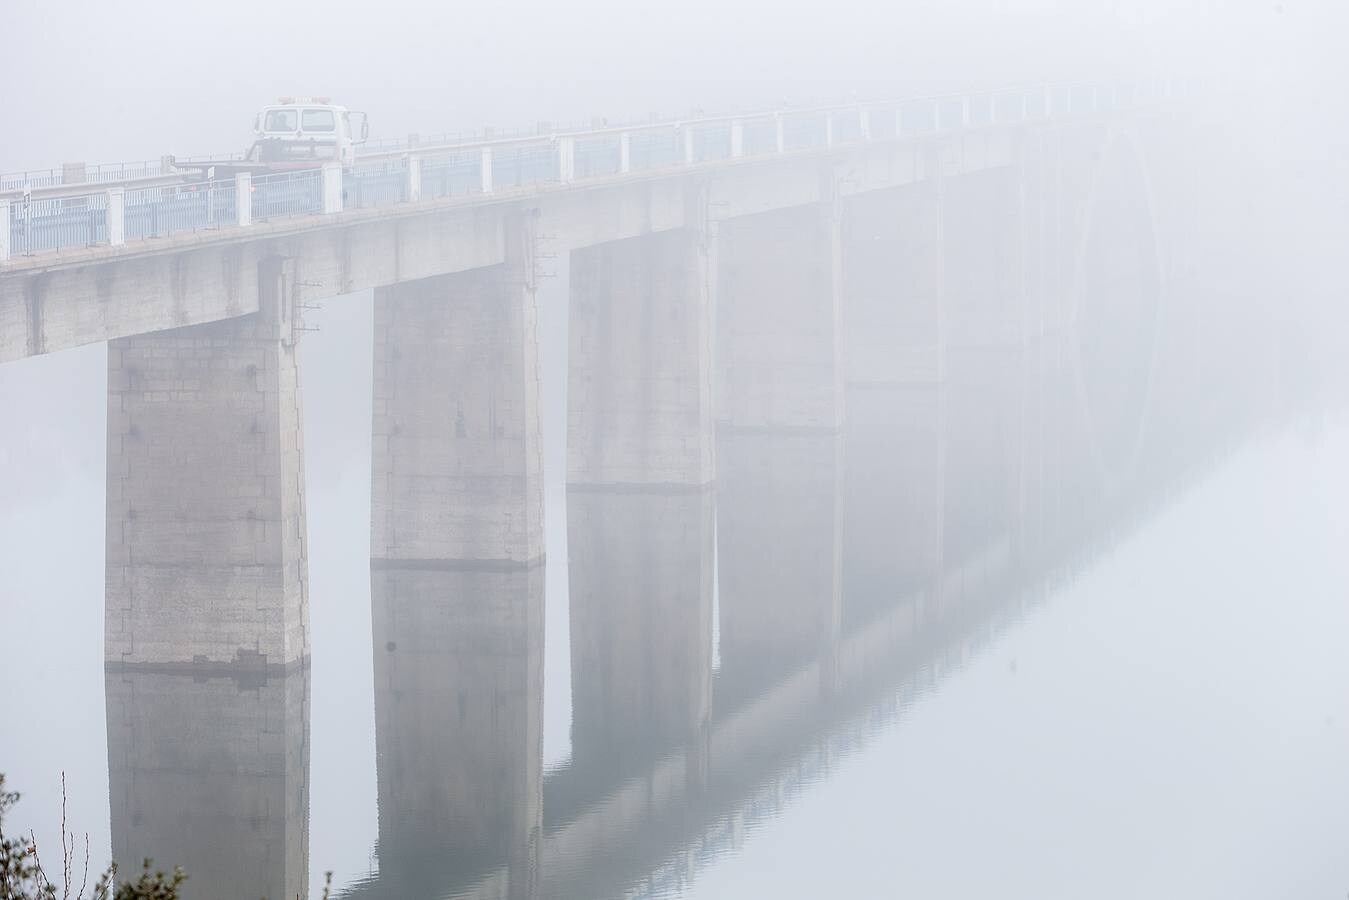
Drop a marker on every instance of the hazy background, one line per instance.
(99, 82)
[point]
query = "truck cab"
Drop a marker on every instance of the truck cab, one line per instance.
(307, 131)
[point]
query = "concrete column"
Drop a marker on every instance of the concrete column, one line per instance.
(891, 253)
(625, 153)
(566, 157)
(737, 139)
(458, 726)
(779, 320)
(5, 247)
(779, 550)
(211, 774)
(641, 625)
(893, 496)
(983, 454)
(485, 167)
(116, 213)
(332, 187)
(640, 363)
(982, 234)
(206, 548)
(414, 177)
(243, 199)
(457, 469)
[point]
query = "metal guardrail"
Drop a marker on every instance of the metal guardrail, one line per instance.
(287, 194)
(134, 201)
(161, 211)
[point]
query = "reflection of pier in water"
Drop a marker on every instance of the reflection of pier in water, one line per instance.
(212, 775)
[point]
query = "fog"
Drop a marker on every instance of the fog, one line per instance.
(949, 511)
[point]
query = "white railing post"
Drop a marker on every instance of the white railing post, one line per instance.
(332, 187)
(829, 129)
(5, 228)
(965, 111)
(781, 133)
(485, 170)
(737, 138)
(566, 158)
(688, 145)
(243, 199)
(116, 216)
(864, 122)
(1048, 111)
(625, 152)
(414, 177)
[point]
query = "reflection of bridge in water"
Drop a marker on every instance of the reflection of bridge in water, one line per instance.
(883, 389)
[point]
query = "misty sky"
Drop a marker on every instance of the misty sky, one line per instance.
(97, 81)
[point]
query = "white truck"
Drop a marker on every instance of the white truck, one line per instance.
(295, 133)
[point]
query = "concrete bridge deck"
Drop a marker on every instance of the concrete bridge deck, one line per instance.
(118, 287)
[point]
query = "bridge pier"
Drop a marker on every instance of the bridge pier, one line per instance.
(894, 496)
(892, 255)
(640, 362)
(456, 457)
(779, 320)
(458, 725)
(641, 624)
(211, 774)
(206, 547)
(779, 549)
(982, 233)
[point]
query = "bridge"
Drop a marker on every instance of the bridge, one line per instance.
(883, 371)
(736, 271)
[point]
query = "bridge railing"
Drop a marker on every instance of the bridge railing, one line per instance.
(135, 201)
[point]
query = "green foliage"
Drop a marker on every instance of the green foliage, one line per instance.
(152, 885)
(20, 874)
(23, 878)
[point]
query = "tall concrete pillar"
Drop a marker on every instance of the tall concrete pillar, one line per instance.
(983, 451)
(456, 454)
(779, 550)
(206, 547)
(892, 257)
(780, 320)
(894, 496)
(211, 775)
(641, 624)
(458, 726)
(982, 258)
(640, 362)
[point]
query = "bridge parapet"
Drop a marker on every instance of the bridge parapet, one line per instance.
(51, 212)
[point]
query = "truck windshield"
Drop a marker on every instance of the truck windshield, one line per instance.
(279, 120)
(318, 120)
